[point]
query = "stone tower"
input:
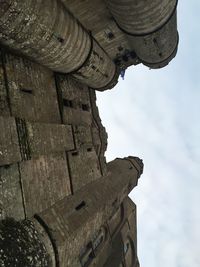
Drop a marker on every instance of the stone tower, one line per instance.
(61, 203)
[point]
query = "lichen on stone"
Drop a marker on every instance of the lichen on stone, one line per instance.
(20, 245)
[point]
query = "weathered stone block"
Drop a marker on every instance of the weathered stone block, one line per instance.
(9, 146)
(45, 181)
(49, 138)
(84, 167)
(4, 107)
(83, 137)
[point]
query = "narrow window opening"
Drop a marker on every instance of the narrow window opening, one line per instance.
(89, 149)
(75, 153)
(81, 205)
(26, 90)
(67, 103)
(110, 36)
(60, 39)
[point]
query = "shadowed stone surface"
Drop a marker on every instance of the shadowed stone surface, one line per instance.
(20, 245)
(69, 207)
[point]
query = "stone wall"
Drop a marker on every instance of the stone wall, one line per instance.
(51, 140)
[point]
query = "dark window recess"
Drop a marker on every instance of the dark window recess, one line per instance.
(154, 40)
(85, 107)
(67, 103)
(110, 35)
(60, 39)
(26, 90)
(81, 205)
(75, 153)
(93, 67)
(6, 166)
(89, 149)
(120, 48)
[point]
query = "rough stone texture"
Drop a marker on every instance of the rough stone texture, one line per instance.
(20, 245)
(89, 240)
(84, 167)
(11, 202)
(115, 220)
(49, 138)
(131, 211)
(45, 181)
(41, 34)
(44, 31)
(78, 107)
(9, 146)
(47, 241)
(32, 90)
(83, 137)
(54, 115)
(37, 139)
(136, 18)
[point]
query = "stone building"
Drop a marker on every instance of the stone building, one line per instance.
(61, 203)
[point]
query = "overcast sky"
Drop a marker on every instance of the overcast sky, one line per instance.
(154, 114)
